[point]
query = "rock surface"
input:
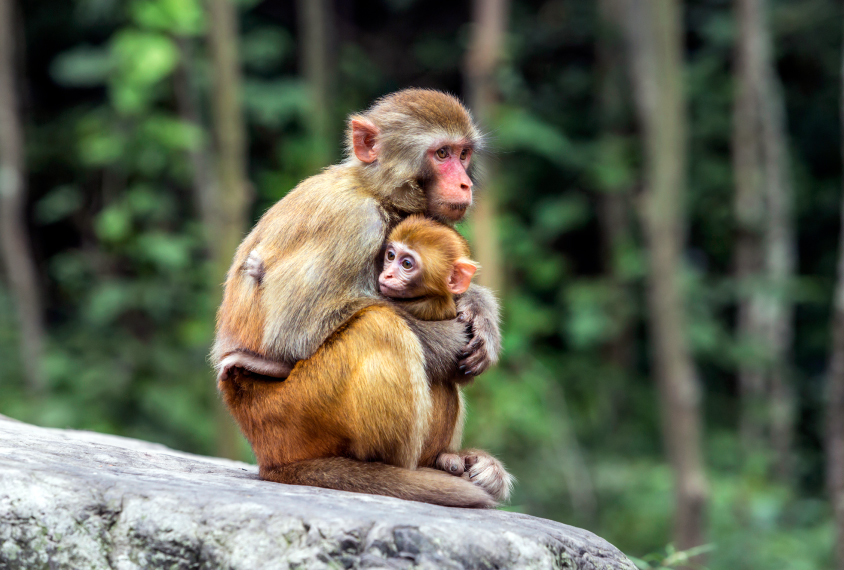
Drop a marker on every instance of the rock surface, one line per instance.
(80, 500)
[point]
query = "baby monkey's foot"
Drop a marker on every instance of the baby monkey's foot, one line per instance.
(450, 463)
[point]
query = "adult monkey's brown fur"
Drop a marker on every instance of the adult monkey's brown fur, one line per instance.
(302, 289)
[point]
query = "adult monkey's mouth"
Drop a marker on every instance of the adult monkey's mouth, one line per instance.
(452, 210)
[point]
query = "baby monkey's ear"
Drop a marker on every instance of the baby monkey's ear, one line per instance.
(461, 275)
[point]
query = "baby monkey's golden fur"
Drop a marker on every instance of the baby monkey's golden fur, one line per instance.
(440, 248)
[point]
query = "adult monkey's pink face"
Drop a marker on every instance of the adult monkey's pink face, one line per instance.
(450, 194)
(441, 166)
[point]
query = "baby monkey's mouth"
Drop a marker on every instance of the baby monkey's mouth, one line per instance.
(388, 291)
(404, 293)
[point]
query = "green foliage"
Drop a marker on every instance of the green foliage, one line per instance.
(142, 60)
(519, 129)
(572, 408)
(84, 66)
(596, 312)
(265, 49)
(672, 558)
(180, 17)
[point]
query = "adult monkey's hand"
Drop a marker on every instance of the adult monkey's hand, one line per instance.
(478, 309)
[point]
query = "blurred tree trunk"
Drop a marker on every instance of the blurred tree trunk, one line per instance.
(780, 257)
(835, 400)
(231, 207)
(14, 241)
(765, 251)
(749, 208)
(482, 60)
(655, 46)
(314, 29)
(205, 191)
(614, 196)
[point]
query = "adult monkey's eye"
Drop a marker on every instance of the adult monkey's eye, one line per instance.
(442, 153)
(407, 264)
(464, 154)
(391, 255)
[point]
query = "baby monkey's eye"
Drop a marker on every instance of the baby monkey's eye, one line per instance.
(464, 154)
(442, 153)
(407, 264)
(391, 255)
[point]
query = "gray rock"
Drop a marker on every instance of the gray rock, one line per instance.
(79, 500)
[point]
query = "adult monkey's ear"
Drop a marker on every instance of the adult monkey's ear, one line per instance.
(365, 139)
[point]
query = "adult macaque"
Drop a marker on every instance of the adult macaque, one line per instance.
(302, 290)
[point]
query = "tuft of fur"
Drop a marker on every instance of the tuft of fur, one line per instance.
(251, 364)
(254, 267)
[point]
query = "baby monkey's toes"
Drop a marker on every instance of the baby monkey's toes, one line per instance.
(450, 463)
(488, 473)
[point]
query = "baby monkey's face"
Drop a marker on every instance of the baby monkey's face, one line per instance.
(401, 277)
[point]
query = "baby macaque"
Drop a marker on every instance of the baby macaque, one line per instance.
(426, 263)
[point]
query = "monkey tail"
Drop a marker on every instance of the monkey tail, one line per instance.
(345, 474)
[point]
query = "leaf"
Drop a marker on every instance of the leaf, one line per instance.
(114, 223)
(275, 103)
(142, 60)
(612, 171)
(108, 301)
(100, 143)
(144, 201)
(83, 66)
(589, 321)
(560, 214)
(100, 149)
(167, 251)
(172, 133)
(181, 17)
(517, 129)
(266, 48)
(640, 564)
(144, 57)
(59, 203)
